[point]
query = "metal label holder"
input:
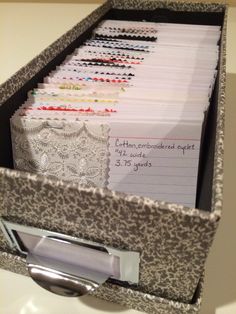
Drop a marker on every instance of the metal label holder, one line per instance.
(67, 265)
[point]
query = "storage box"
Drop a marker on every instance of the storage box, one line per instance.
(173, 240)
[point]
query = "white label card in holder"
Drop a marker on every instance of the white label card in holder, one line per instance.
(156, 160)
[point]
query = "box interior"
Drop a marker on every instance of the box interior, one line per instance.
(206, 164)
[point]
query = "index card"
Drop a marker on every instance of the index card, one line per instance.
(156, 160)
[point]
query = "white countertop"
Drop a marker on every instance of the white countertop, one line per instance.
(25, 30)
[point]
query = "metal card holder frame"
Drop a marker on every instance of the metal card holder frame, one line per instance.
(67, 265)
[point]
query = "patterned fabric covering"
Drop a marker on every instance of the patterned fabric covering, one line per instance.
(167, 4)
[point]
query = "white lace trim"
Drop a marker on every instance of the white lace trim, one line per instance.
(76, 151)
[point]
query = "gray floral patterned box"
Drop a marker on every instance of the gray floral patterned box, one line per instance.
(173, 241)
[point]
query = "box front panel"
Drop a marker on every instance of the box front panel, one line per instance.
(172, 240)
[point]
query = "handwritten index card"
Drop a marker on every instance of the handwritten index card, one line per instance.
(157, 160)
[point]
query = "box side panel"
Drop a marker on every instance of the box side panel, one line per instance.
(173, 5)
(217, 187)
(211, 164)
